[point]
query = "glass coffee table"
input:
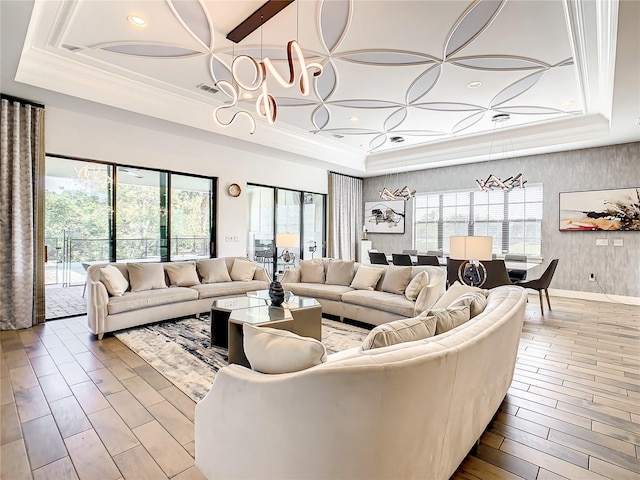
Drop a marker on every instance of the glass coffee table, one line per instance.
(300, 315)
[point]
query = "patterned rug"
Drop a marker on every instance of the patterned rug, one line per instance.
(180, 351)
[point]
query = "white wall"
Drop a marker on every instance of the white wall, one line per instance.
(85, 136)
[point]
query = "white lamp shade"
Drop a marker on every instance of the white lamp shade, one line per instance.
(471, 248)
(287, 240)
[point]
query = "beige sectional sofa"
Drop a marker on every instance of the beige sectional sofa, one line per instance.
(408, 410)
(342, 289)
(123, 295)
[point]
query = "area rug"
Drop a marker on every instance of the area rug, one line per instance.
(180, 351)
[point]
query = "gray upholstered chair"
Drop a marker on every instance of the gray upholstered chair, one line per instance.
(542, 283)
(516, 275)
(402, 259)
(428, 260)
(378, 258)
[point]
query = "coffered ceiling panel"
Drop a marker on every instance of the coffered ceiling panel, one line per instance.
(397, 75)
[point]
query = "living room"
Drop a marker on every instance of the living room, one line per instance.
(79, 128)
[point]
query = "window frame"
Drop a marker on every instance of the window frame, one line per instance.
(506, 206)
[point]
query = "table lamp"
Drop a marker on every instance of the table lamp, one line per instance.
(473, 250)
(287, 241)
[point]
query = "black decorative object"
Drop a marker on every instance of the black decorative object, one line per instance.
(276, 293)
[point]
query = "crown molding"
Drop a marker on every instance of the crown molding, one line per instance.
(41, 68)
(559, 133)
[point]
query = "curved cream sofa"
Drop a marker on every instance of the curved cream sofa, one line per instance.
(373, 307)
(106, 313)
(411, 410)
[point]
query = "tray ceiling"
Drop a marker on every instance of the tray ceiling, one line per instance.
(401, 80)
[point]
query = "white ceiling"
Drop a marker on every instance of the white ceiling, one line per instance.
(563, 70)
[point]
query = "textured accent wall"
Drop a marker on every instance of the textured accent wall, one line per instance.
(617, 269)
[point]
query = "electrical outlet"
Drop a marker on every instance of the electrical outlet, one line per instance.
(592, 277)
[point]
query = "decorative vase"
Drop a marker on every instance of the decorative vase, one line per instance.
(276, 293)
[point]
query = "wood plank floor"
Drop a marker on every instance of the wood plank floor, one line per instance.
(74, 407)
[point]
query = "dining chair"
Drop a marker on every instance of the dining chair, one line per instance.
(402, 259)
(516, 275)
(378, 258)
(452, 271)
(435, 253)
(428, 260)
(497, 274)
(542, 283)
(410, 252)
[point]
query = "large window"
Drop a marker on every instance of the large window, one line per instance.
(104, 212)
(513, 219)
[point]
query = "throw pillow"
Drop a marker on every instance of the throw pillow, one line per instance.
(213, 270)
(448, 318)
(366, 278)
(182, 274)
(270, 350)
(311, 271)
(396, 279)
(416, 285)
(398, 331)
(475, 300)
(243, 270)
(454, 292)
(146, 276)
(339, 272)
(114, 280)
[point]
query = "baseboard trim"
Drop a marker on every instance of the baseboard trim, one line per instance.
(599, 297)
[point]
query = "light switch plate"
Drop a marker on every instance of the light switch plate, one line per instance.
(602, 242)
(618, 242)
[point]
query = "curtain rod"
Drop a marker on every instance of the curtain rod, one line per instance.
(11, 98)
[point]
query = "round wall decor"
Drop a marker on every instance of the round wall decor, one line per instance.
(234, 190)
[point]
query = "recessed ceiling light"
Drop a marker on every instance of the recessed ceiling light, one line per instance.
(396, 139)
(474, 84)
(136, 20)
(567, 103)
(247, 95)
(353, 118)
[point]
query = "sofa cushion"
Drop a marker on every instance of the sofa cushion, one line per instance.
(454, 292)
(366, 278)
(270, 350)
(339, 272)
(387, 302)
(400, 331)
(243, 270)
(318, 290)
(311, 271)
(182, 274)
(114, 280)
(416, 284)
(448, 318)
(150, 298)
(396, 279)
(475, 300)
(222, 289)
(146, 276)
(213, 270)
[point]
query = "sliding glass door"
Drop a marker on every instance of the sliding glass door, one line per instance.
(285, 226)
(100, 212)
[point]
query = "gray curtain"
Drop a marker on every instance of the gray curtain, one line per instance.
(21, 214)
(345, 216)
